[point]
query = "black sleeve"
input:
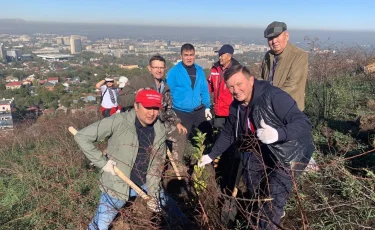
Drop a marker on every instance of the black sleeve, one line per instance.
(225, 139)
(296, 123)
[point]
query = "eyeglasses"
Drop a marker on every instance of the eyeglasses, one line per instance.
(158, 68)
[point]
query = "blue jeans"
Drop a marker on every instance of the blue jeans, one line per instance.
(110, 206)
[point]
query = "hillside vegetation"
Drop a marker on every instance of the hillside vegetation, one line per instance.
(46, 182)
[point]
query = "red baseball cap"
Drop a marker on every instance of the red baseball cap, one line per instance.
(149, 98)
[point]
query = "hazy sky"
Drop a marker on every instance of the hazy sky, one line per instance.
(298, 14)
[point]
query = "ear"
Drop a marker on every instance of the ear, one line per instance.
(286, 35)
(135, 107)
(149, 68)
(252, 80)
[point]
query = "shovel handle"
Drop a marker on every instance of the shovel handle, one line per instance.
(73, 131)
(174, 166)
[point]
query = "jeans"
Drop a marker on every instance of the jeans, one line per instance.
(110, 206)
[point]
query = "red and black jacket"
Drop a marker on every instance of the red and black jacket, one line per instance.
(217, 86)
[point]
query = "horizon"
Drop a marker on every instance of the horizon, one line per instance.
(178, 26)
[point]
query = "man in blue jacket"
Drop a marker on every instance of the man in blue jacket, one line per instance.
(190, 95)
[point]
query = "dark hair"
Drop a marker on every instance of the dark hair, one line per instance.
(235, 69)
(156, 57)
(187, 47)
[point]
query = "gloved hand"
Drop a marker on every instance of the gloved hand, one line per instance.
(204, 160)
(118, 111)
(109, 167)
(154, 205)
(207, 114)
(267, 134)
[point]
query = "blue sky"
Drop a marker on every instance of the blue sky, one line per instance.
(302, 14)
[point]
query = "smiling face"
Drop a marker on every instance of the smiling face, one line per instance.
(277, 44)
(188, 57)
(146, 116)
(241, 87)
(157, 69)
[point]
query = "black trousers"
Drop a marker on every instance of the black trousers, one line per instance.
(266, 177)
(190, 121)
(219, 122)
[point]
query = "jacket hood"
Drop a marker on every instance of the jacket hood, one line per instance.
(259, 88)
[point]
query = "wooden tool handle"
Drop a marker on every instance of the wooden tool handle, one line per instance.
(73, 131)
(174, 166)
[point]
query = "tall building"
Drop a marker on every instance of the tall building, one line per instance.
(66, 40)
(169, 43)
(13, 54)
(2, 52)
(60, 40)
(75, 45)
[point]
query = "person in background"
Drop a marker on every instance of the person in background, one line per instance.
(154, 80)
(109, 94)
(190, 95)
(217, 86)
(222, 100)
(286, 66)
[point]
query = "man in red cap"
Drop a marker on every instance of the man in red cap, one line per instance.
(136, 145)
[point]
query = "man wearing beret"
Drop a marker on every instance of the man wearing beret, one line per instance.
(136, 145)
(285, 65)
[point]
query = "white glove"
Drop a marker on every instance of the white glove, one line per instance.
(267, 134)
(154, 205)
(204, 160)
(207, 114)
(109, 167)
(118, 111)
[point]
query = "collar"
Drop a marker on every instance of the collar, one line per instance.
(230, 64)
(186, 66)
(138, 124)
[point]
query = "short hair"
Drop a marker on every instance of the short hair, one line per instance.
(187, 46)
(236, 69)
(156, 57)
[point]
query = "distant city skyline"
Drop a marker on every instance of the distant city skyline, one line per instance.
(299, 15)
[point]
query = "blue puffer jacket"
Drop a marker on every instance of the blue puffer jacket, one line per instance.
(184, 98)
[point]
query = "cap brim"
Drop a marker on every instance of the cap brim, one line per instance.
(151, 105)
(273, 35)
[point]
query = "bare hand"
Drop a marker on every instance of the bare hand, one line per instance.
(181, 129)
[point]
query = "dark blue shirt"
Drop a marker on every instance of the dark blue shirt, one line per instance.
(146, 136)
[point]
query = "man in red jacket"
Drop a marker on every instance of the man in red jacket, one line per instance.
(216, 85)
(222, 101)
